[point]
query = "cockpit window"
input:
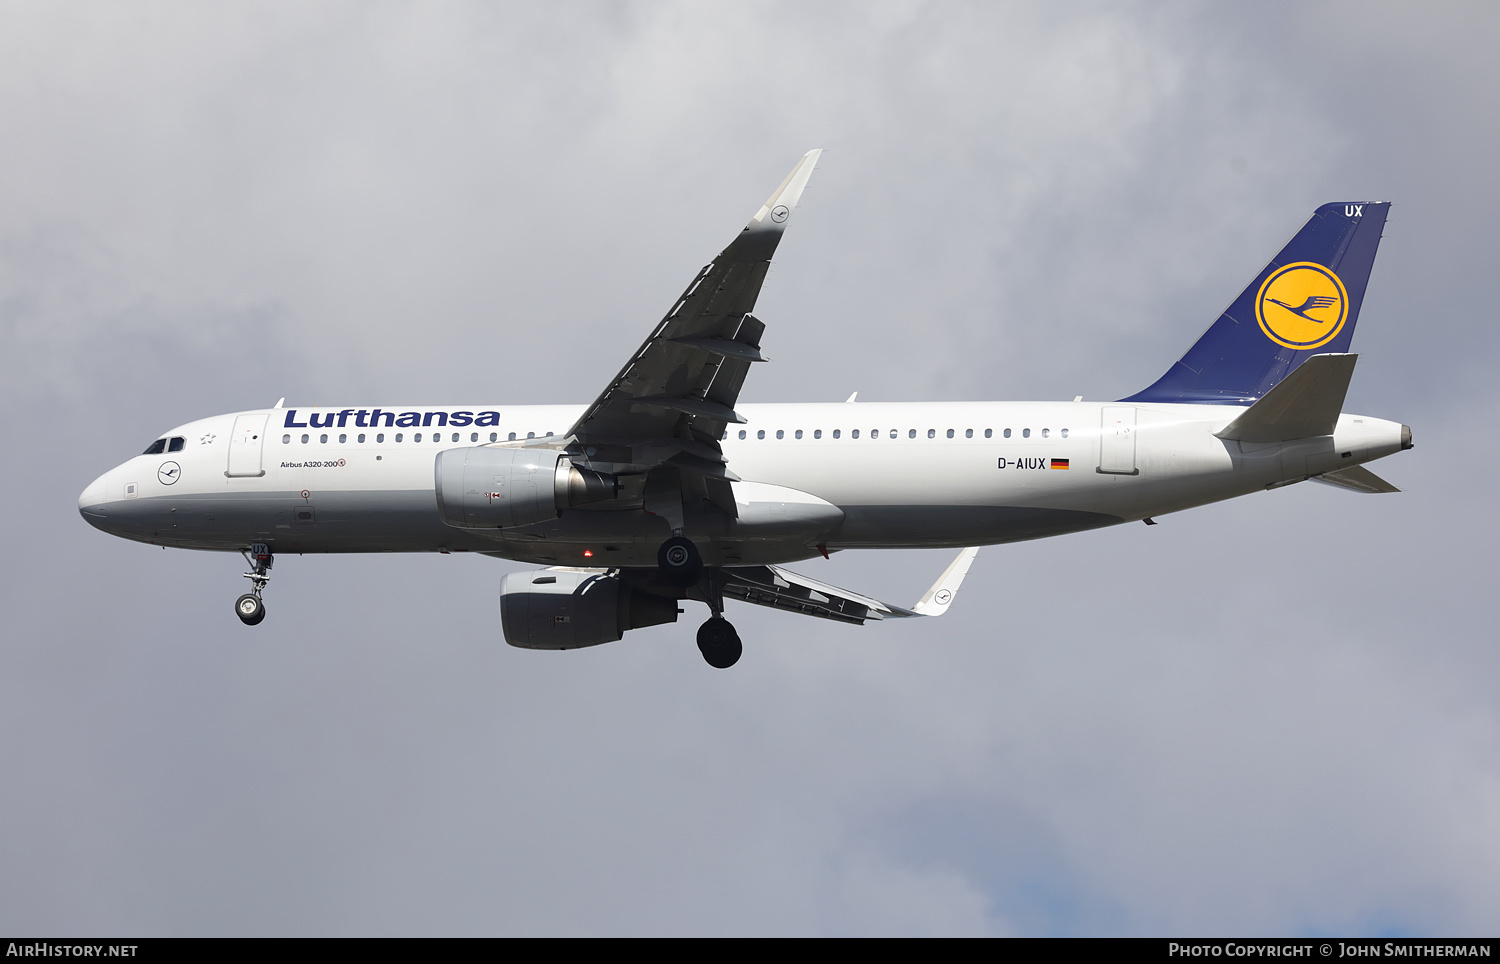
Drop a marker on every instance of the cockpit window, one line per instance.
(175, 444)
(156, 448)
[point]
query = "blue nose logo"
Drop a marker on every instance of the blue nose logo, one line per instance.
(168, 473)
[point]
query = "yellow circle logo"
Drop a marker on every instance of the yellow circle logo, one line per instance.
(1302, 305)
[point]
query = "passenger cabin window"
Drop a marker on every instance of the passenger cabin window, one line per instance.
(380, 437)
(742, 433)
(493, 436)
(323, 439)
(1006, 433)
(968, 433)
(950, 433)
(853, 434)
(304, 439)
(835, 433)
(156, 448)
(1064, 433)
(798, 433)
(286, 440)
(1026, 433)
(817, 433)
(988, 432)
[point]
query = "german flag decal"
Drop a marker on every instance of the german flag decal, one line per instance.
(1059, 463)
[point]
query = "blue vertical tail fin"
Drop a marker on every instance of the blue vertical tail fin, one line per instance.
(1305, 302)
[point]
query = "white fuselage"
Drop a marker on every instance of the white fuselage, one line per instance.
(902, 474)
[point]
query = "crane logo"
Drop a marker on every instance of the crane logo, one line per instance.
(1302, 305)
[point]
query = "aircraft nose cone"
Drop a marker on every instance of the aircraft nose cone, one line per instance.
(95, 499)
(93, 495)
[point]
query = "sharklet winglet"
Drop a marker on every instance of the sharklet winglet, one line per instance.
(937, 599)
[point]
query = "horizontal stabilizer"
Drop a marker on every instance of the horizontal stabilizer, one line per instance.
(1305, 404)
(1357, 478)
(941, 595)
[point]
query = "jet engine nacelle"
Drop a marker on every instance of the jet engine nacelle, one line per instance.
(562, 609)
(488, 488)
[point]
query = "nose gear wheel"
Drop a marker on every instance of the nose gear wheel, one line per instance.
(250, 609)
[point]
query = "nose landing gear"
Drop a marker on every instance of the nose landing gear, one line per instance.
(249, 607)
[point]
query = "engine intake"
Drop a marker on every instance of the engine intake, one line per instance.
(558, 609)
(489, 488)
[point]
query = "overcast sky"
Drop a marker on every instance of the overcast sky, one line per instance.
(1271, 716)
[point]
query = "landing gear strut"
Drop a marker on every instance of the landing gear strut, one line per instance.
(249, 607)
(717, 640)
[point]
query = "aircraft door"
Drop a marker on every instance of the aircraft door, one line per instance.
(245, 446)
(1117, 441)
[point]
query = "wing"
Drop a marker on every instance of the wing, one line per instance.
(672, 401)
(779, 588)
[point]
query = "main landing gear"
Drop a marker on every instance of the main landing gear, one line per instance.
(719, 643)
(679, 561)
(681, 564)
(249, 607)
(717, 640)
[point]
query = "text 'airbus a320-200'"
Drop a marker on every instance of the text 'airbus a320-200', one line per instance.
(664, 488)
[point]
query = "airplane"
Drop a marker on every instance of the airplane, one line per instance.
(665, 488)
